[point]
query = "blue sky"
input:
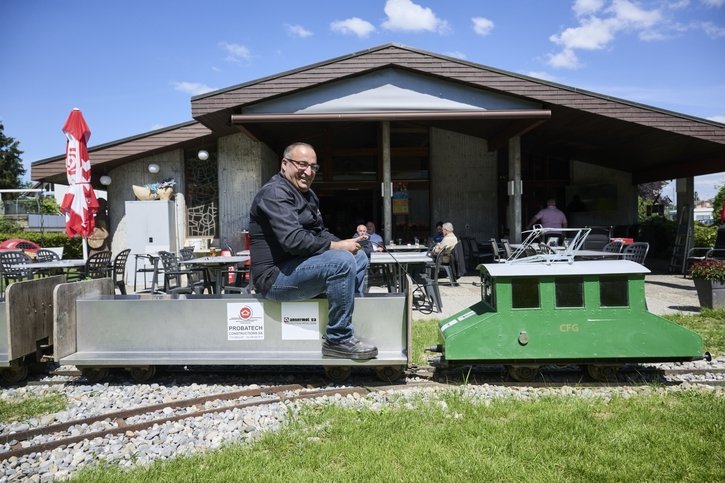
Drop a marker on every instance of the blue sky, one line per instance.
(133, 66)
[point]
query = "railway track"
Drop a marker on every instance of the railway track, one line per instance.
(117, 422)
(138, 422)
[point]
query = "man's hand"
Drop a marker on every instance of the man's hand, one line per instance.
(351, 245)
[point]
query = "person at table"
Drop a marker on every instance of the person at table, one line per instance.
(550, 217)
(447, 243)
(361, 236)
(438, 237)
(375, 239)
(295, 257)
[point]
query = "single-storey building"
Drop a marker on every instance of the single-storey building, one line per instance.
(406, 138)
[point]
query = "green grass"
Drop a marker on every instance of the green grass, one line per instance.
(31, 407)
(657, 437)
(710, 324)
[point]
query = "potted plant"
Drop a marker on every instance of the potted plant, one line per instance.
(709, 277)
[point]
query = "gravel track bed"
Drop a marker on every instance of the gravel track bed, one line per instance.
(211, 431)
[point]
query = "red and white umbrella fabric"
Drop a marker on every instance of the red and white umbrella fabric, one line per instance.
(79, 203)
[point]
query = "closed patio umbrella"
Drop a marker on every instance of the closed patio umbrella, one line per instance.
(79, 203)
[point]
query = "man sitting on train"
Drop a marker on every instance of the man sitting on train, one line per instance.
(295, 257)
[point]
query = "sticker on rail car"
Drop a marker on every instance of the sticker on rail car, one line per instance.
(245, 321)
(453, 322)
(300, 320)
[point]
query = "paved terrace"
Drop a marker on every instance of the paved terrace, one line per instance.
(666, 294)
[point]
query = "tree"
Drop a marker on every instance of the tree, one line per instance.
(650, 194)
(717, 205)
(11, 164)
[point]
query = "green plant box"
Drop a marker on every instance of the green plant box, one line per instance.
(711, 293)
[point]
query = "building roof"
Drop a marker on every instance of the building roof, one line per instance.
(653, 144)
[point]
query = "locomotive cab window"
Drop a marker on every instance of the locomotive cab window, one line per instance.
(613, 291)
(525, 293)
(569, 291)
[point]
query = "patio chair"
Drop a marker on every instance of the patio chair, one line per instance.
(717, 251)
(98, 265)
(597, 238)
(613, 247)
(201, 274)
(13, 269)
(636, 252)
(174, 275)
(45, 255)
(119, 270)
(427, 281)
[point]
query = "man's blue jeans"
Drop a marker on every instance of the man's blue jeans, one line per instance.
(339, 273)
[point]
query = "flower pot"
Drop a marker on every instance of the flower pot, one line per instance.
(711, 293)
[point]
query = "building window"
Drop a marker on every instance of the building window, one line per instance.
(525, 293)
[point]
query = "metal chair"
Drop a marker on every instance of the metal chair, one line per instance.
(716, 251)
(173, 276)
(45, 255)
(98, 265)
(13, 267)
(613, 247)
(200, 274)
(506, 247)
(119, 270)
(636, 252)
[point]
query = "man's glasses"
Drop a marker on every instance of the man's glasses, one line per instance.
(303, 165)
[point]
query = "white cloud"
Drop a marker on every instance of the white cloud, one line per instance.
(720, 119)
(712, 30)
(236, 52)
(587, 7)
(565, 59)
(593, 34)
(628, 14)
(678, 4)
(598, 28)
(713, 3)
(356, 26)
(408, 16)
(193, 88)
(482, 26)
(297, 31)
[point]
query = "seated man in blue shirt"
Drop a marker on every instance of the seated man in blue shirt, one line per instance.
(375, 239)
(295, 257)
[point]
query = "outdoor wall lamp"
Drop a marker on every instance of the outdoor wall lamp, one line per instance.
(105, 180)
(203, 154)
(153, 168)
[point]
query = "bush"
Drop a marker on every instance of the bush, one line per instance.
(705, 235)
(72, 247)
(659, 232)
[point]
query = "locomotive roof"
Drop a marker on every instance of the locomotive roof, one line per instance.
(593, 267)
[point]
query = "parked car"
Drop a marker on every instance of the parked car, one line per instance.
(20, 244)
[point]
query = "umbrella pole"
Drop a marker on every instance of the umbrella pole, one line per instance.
(84, 244)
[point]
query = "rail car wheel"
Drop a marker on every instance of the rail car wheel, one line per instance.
(142, 373)
(389, 373)
(603, 373)
(14, 374)
(94, 374)
(523, 373)
(338, 373)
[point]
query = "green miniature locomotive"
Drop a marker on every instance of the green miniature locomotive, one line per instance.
(591, 313)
